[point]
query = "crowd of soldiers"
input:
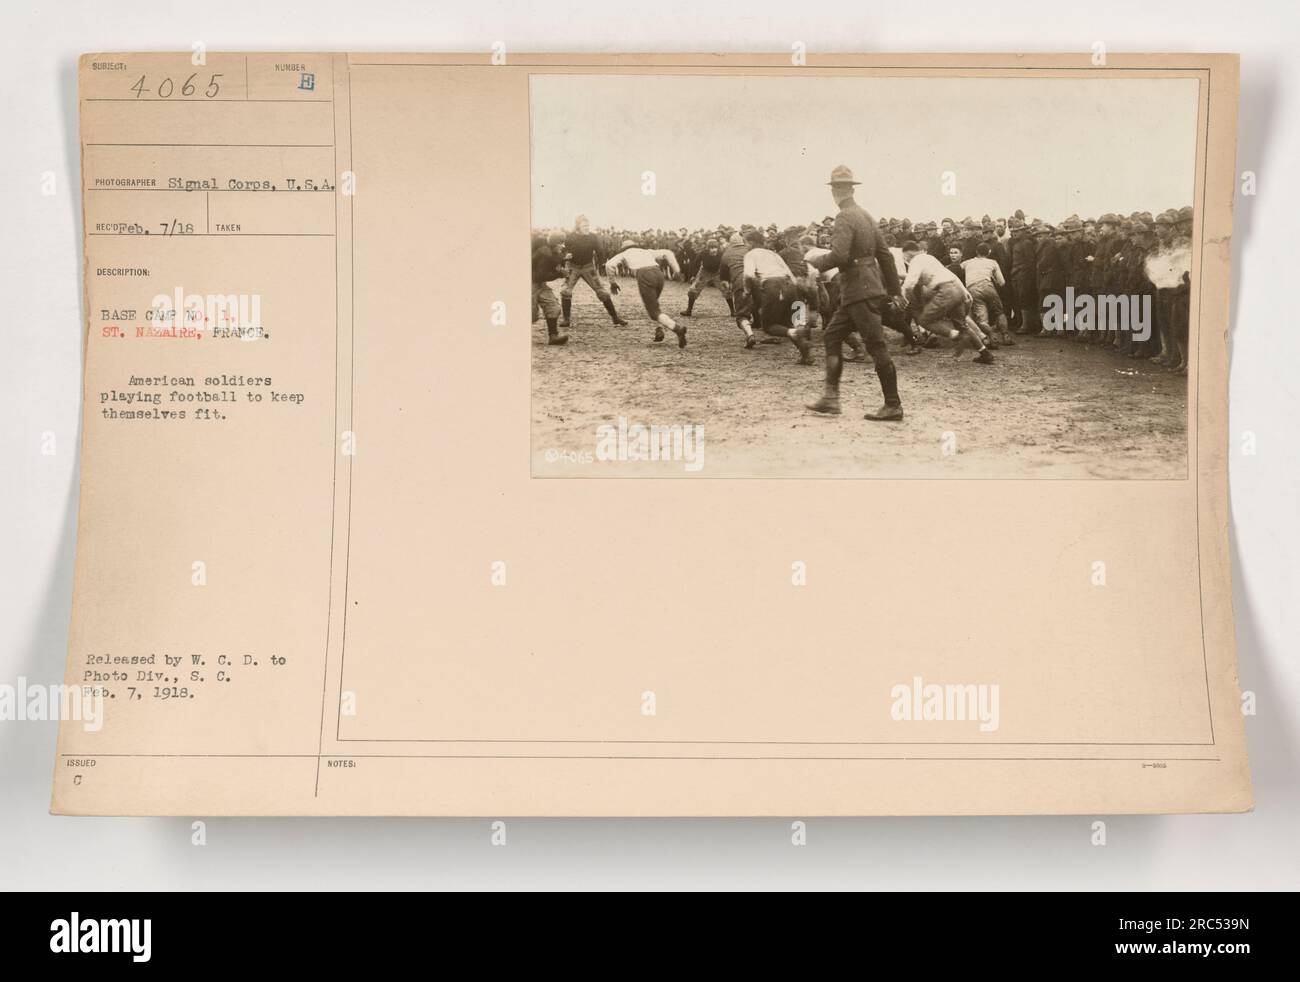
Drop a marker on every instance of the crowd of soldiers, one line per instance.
(779, 282)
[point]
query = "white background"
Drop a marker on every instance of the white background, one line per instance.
(40, 370)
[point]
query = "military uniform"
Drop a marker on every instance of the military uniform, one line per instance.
(1102, 275)
(1078, 252)
(968, 239)
(1133, 281)
(1050, 272)
(1024, 278)
(1121, 275)
(936, 245)
(1146, 292)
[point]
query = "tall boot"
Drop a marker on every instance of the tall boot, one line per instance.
(566, 309)
(892, 410)
(690, 303)
(731, 305)
(829, 403)
(553, 335)
(613, 314)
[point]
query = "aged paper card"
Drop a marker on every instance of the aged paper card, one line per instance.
(848, 454)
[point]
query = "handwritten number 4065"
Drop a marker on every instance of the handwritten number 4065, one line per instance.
(167, 87)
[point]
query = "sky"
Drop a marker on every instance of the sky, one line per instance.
(759, 149)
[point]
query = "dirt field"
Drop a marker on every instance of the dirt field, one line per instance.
(1048, 408)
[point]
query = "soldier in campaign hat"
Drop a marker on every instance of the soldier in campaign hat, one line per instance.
(1048, 265)
(868, 279)
(934, 242)
(1024, 277)
(1079, 259)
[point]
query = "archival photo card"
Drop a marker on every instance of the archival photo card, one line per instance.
(917, 365)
